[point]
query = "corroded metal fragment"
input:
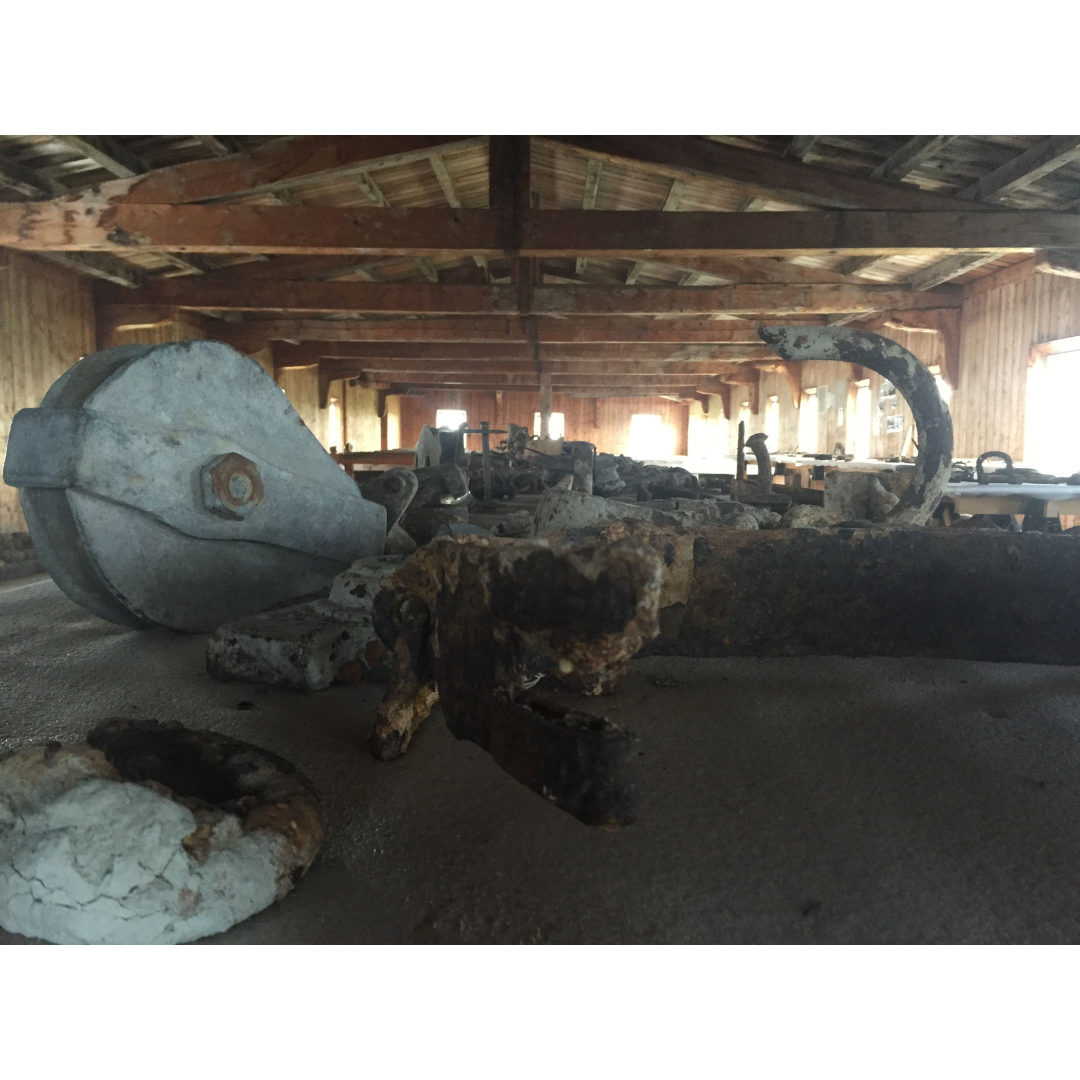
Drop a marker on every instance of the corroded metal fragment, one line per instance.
(963, 594)
(499, 613)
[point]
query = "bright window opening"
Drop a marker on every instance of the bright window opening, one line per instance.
(556, 425)
(944, 389)
(1052, 436)
(863, 417)
(650, 437)
(808, 422)
(451, 419)
(335, 434)
(744, 418)
(772, 423)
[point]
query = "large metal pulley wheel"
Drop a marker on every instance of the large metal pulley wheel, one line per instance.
(175, 485)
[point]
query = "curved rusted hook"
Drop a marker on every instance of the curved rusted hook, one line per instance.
(911, 379)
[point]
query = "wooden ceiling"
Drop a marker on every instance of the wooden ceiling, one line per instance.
(584, 262)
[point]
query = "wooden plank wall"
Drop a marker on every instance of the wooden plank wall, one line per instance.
(999, 329)
(46, 324)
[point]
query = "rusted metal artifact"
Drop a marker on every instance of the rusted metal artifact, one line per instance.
(964, 594)
(911, 379)
(474, 622)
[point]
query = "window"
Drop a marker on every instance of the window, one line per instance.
(335, 428)
(808, 422)
(1052, 437)
(772, 423)
(556, 425)
(744, 418)
(861, 436)
(944, 389)
(451, 419)
(650, 437)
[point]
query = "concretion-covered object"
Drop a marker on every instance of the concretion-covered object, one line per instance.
(148, 834)
(473, 622)
(911, 379)
(963, 594)
(304, 646)
(175, 485)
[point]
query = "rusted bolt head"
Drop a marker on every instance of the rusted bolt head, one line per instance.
(231, 486)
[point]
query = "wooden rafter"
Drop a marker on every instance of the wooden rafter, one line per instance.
(331, 296)
(1019, 172)
(917, 150)
(694, 157)
(280, 165)
(1024, 169)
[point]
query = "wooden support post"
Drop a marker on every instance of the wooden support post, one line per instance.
(381, 410)
(545, 406)
(500, 409)
(724, 393)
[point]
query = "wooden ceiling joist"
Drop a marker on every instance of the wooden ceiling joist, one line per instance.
(1024, 169)
(695, 157)
(910, 156)
(396, 371)
(87, 224)
(252, 335)
(304, 354)
(331, 296)
(280, 165)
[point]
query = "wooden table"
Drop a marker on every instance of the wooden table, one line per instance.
(1052, 500)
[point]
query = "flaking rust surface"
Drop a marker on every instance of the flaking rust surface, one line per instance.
(477, 621)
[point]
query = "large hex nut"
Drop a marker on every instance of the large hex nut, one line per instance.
(231, 486)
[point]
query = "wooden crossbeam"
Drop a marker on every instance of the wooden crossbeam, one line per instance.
(303, 354)
(671, 202)
(15, 175)
(86, 224)
(687, 393)
(910, 156)
(1023, 170)
(280, 165)
(1019, 172)
(800, 146)
(330, 296)
(220, 145)
(695, 157)
(106, 152)
(588, 198)
(252, 335)
(433, 370)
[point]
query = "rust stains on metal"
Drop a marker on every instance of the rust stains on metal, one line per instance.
(481, 620)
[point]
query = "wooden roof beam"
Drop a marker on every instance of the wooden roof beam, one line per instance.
(278, 166)
(593, 169)
(107, 152)
(671, 202)
(252, 335)
(88, 225)
(695, 157)
(1023, 170)
(331, 296)
(305, 353)
(905, 160)
(800, 146)
(219, 145)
